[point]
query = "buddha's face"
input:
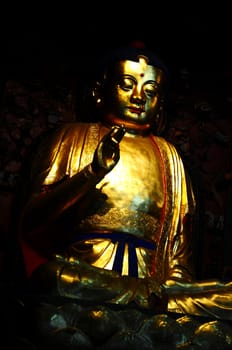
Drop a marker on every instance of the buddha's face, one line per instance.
(134, 93)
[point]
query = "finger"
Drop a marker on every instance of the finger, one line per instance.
(117, 133)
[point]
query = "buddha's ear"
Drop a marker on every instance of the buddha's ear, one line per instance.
(161, 119)
(162, 123)
(97, 93)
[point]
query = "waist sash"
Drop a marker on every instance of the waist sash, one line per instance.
(122, 239)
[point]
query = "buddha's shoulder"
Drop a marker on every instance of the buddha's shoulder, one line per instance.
(163, 143)
(75, 127)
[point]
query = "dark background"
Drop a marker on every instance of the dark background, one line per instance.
(71, 37)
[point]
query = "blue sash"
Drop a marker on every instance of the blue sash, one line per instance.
(122, 239)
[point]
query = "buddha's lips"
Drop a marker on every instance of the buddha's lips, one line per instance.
(136, 110)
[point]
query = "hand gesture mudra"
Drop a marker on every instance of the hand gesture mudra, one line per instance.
(107, 153)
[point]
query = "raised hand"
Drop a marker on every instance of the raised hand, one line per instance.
(107, 153)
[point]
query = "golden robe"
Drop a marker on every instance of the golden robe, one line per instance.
(139, 221)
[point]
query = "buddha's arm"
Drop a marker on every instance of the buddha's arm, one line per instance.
(209, 298)
(197, 297)
(186, 295)
(44, 210)
(81, 281)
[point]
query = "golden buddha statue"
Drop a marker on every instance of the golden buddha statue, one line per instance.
(109, 216)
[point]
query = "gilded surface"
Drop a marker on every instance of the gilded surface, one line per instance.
(132, 198)
(122, 218)
(133, 209)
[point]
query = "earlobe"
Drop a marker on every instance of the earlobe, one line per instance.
(96, 93)
(161, 120)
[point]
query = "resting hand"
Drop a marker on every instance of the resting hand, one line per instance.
(147, 290)
(107, 153)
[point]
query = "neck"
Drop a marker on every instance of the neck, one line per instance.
(131, 127)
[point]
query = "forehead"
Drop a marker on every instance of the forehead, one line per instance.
(140, 70)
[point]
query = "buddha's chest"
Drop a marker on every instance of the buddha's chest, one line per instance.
(137, 181)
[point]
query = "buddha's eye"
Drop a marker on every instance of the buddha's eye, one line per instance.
(127, 84)
(151, 89)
